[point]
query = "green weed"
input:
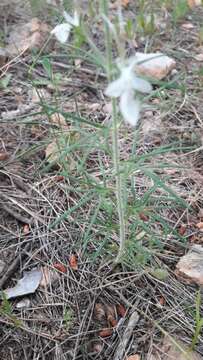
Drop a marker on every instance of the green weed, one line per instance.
(198, 321)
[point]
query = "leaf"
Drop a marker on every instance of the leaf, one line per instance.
(3, 155)
(111, 315)
(105, 333)
(73, 262)
(48, 276)
(99, 312)
(27, 285)
(26, 229)
(182, 229)
(62, 268)
(199, 225)
(143, 216)
(59, 120)
(160, 274)
(52, 152)
(121, 310)
(112, 321)
(59, 178)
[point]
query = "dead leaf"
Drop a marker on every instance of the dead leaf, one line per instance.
(99, 312)
(190, 266)
(55, 153)
(59, 178)
(121, 310)
(27, 37)
(193, 3)
(143, 216)
(59, 120)
(26, 229)
(52, 152)
(133, 357)
(27, 285)
(23, 304)
(48, 276)
(105, 333)
(162, 301)
(154, 65)
(111, 315)
(200, 225)
(62, 268)
(4, 156)
(73, 262)
(112, 321)
(182, 230)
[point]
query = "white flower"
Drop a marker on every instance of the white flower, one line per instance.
(124, 88)
(62, 31)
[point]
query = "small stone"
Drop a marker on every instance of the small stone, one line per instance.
(187, 26)
(26, 37)
(23, 304)
(190, 266)
(199, 57)
(154, 65)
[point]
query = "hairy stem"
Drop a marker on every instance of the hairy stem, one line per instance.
(115, 143)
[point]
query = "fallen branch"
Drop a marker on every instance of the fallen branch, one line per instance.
(16, 215)
(119, 354)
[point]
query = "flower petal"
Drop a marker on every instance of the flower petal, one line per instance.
(130, 108)
(116, 87)
(62, 32)
(141, 85)
(72, 20)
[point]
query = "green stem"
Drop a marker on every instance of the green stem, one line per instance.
(115, 143)
(119, 182)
